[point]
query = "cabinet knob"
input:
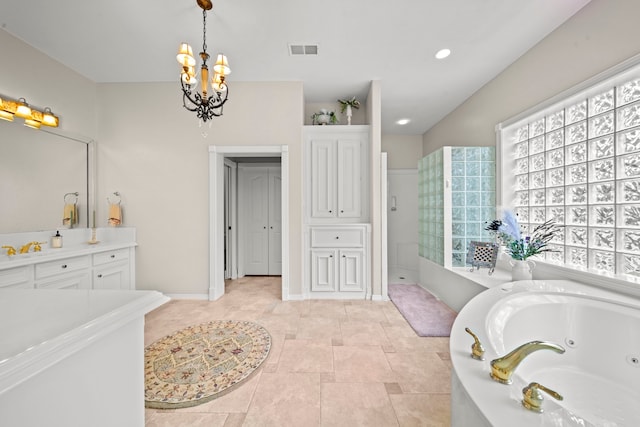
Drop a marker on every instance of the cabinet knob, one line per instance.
(337, 237)
(113, 256)
(330, 211)
(264, 227)
(64, 266)
(330, 256)
(271, 227)
(341, 211)
(344, 256)
(99, 276)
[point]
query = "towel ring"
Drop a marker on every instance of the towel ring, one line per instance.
(117, 194)
(75, 193)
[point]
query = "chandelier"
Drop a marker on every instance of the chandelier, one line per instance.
(206, 104)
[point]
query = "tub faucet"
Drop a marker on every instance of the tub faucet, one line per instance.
(503, 367)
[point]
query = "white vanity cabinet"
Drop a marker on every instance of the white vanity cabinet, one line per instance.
(337, 175)
(339, 257)
(66, 273)
(111, 270)
(109, 264)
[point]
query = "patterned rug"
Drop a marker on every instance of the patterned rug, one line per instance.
(199, 363)
(428, 316)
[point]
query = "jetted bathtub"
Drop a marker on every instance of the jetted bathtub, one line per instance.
(598, 375)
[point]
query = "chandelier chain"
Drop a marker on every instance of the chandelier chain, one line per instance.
(204, 30)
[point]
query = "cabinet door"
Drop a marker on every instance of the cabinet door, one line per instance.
(323, 270)
(349, 176)
(19, 277)
(351, 271)
(111, 276)
(77, 280)
(323, 178)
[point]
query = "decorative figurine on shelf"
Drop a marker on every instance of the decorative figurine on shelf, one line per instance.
(482, 254)
(324, 117)
(346, 105)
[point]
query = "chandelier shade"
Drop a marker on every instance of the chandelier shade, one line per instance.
(206, 103)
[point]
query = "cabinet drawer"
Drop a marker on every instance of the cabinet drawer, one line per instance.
(110, 256)
(51, 268)
(19, 277)
(346, 237)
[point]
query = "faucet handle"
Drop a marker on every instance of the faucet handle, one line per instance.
(10, 250)
(37, 246)
(532, 398)
(477, 351)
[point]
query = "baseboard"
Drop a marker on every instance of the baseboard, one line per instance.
(379, 298)
(188, 296)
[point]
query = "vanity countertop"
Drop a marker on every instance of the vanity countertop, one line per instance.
(45, 255)
(75, 243)
(39, 327)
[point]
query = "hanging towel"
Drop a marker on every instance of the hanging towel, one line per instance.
(70, 214)
(115, 214)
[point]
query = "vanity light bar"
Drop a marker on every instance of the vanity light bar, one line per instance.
(32, 118)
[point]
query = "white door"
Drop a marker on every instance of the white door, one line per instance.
(275, 222)
(262, 224)
(256, 214)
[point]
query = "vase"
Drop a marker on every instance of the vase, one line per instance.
(521, 269)
(323, 119)
(349, 114)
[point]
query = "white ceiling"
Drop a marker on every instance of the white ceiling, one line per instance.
(359, 41)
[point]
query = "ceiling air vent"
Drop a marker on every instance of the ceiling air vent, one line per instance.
(303, 49)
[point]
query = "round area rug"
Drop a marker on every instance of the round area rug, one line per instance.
(199, 363)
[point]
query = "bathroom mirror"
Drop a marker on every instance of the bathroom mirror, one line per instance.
(37, 169)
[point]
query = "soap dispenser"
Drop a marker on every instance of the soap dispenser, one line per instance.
(56, 241)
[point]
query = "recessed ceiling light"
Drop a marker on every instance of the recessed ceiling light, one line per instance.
(403, 121)
(443, 53)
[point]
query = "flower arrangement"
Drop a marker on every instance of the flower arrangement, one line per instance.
(344, 103)
(518, 246)
(324, 116)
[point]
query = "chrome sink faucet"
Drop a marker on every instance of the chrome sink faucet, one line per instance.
(503, 367)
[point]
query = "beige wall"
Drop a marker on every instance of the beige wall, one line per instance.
(152, 151)
(404, 151)
(602, 34)
(27, 73)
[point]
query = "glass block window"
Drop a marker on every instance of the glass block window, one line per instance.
(577, 162)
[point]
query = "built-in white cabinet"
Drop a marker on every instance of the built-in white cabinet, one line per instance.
(337, 178)
(338, 260)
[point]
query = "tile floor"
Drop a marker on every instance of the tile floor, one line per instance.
(332, 363)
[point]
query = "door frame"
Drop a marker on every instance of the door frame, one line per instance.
(217, 154)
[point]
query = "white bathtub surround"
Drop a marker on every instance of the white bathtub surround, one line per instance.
(75, 356)
(597, 375)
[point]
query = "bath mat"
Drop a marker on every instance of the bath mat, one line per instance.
(202, 362)
(428, 316)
